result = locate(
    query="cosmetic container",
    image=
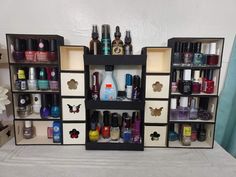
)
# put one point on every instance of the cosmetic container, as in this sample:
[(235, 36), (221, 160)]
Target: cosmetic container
[(174, 86), (43, 83), (52, 54), (198, 58), (201, 136), (44, 110), (183, 109), (106, 40), (188, 53), (115, 129), (136, 127), (186, 134), (174, 114), (193, 114), (212, 57), (19, 49), (56, 132), (128, 86), (42, 53), (117, 44), (32, 82), (95, 44), (55, 109), (196, 86), (36, 99), (128, 48), (21, 82), (177, 59), (95, 86), (24, 108), (185, 85), (106, 126), (53, 83), (93, 132), (28, 131), (30, 52), (136, 92), (126, 131), (209, 83)]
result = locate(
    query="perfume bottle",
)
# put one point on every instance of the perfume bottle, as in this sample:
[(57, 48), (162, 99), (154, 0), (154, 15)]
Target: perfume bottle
[(115, 129), (136, 92), (212, 57), (32, 82), (198, 56), (95, 44), (183, 108), (209, 83), (174, 114), (128, 86), (173, 136), (42, 53), (93, 132), (136, 127), (185, 85), (193, 114), (53, 83), (36, 103), (124, 115), (201, 135), (43, 83), (186, 134), (106, 40), (177, 60), (128, 48), (52, 54), (55, 109), (106, 126), (117, 44), (30, 52), (19, 49), (196, 85), (108, 90), (44, 110), (95, 86), (21, 82), (174, 86), (28, 130), (188, 53)]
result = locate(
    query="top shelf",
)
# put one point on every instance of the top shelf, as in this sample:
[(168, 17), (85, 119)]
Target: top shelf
[(115, 59), (195, 67)]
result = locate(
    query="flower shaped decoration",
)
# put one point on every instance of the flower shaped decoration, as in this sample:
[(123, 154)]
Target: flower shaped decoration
[(74, 133), (157, 86), (3, 99), (72, 84), (155, 136)]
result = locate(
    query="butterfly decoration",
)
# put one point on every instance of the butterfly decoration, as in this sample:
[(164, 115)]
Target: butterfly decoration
[(74, 109)]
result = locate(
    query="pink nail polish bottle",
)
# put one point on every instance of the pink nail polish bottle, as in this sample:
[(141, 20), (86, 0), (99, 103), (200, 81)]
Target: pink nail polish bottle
[(42, 53), (30, 52)]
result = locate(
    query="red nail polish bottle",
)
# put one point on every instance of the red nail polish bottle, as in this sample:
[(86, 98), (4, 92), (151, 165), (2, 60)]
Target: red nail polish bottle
[(209, 83), (42, 53), (212, 58), (30, 53), (106, 127)]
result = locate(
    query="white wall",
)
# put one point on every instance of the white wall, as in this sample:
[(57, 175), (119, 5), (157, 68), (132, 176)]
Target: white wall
[(151, 22)]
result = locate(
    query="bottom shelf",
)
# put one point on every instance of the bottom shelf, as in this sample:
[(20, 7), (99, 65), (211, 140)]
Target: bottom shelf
[(37, 140), (195, 144)]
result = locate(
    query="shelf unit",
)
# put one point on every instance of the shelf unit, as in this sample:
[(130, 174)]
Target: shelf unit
[(39, 125), (212, 98)]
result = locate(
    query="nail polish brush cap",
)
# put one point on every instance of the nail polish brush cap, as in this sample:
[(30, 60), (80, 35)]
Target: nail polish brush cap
[(213, 48), (183, 101), (128, 39), (54, 74), (189, 47), (53, 45), (136, 80), (55, 100), (42, 74), (196, 75), (197, 47), (210, 74), (174, 76), (177, 47), (32, 73), (203, 103), (95, 32), (109, 67), (173, 103), (19, 45), (31, 44), (43, 100), (106, 118), (114, 120), (28, 124), (105, 31), (187, 75)]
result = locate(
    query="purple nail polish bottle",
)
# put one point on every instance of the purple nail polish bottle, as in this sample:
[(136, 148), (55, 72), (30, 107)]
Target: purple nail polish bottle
[(44, 111)]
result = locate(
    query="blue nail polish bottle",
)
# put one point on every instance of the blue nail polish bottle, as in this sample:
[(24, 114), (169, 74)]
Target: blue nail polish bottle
[(44, 111), (55, 110), (43, 83)]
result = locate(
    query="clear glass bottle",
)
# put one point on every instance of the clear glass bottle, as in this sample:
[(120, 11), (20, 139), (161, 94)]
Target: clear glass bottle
[(128, 48), (183, 109), (117, 44)]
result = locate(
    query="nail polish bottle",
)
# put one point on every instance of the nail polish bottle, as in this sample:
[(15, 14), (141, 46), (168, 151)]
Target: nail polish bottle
[(198, 56), (117, 44), (174, 114), (203, 112), (186, 83), (43, 83), (19, 49), (202, 78), (106, 40), (128, 86), (124, 115), (24, 105), (128, 48), (127, 130), (196, 86), (52, 54), (136, 127), (28, 130), (186, 134), (209, 83), (32, 82), (201, 136), (36, 103), (21, 82), (115, 129), (30, 52), (53, 83), (188, 53), (194, 133), (136, 92), (193, 115), (56, 132), (212, 57), (177, 60), (44, 110), (95, 44), (93, 133), (42, 53), (95, 86), (173, 136), (174, 86), (55, 109), (106, 127), (183, 109)]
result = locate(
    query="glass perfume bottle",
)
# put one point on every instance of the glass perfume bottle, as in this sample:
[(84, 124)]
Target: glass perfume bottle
[(188, 53), (193, 114), (106, 127), (128, 48), (174, 114), (95, 44), (177, 60), (136, 92), (106, 40), (183, 109), (117, 44), (198, 56), (185, 85), (95, 86), (115, 129)]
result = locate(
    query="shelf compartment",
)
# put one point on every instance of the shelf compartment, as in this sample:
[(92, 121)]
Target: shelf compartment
[(195, 67), (36, 91), (114, 59), (155, 136), (126, 105), (196, 94), (192, 121), (28, 63), (158, 59), (72, 58), (74, 133), (114, 146)]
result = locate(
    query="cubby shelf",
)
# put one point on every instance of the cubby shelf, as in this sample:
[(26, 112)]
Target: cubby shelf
[(38, 140), (114, 59), (195, 144), (27, 63), (36, 91), (192, 121), (195, 67), (196, 94)]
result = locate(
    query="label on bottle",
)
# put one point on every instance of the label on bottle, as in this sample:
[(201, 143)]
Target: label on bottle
[(108, 86), (23, 85), (187, 131), (106, 46), (118, 50)]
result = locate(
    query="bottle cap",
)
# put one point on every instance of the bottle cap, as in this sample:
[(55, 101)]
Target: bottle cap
[(183, 102), (213, 48), (189, 47), (106, 117), (196, 75), (36, 99), (117, 33), (106, 31), (177, 47), (196, 102), (28, 124), (19, 45), (109, 67), (181, 74), (187, 75), (128, 79), (114, 120), (42, 74), (128, 39), (31, 44), (21, 73), (210, 74), (93, 125), (54, 74), (174, 76), (136, 81), (95, 116), (203, 103), (43, 100), (42, 45), (22, 100), (95, 32), (127, 121), (55, 100), (173, 104), (53, 45), (197, 47), (32, 73)]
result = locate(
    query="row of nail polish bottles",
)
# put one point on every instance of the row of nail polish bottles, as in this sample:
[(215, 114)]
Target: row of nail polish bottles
[(44, 79), (188, 53), (190, 109), (41, 50)]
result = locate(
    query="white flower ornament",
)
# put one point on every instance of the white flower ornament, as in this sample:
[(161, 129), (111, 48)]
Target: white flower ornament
[(3, 99)]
